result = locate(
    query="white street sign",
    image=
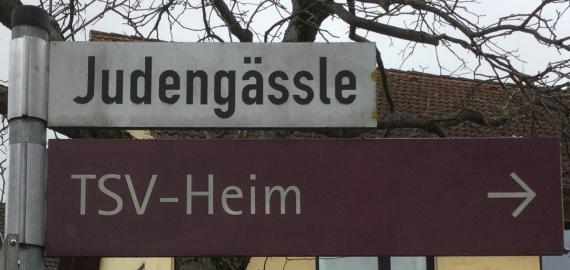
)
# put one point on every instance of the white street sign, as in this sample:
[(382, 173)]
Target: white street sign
[(159, 84)]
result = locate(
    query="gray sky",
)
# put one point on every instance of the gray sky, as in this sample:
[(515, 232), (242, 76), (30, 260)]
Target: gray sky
[(424, 58)]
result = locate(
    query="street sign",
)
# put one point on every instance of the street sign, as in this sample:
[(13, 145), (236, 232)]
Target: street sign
[(160, 84), (304, 197)]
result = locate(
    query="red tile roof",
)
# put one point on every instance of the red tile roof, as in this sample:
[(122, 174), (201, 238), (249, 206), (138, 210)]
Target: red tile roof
[(103, 36), (433, 96)]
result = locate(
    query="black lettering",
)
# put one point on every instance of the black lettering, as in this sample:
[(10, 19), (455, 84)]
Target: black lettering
[(164, 86), (339, 86), (147, 78), (230, 100), (224, 87), (323, 80), (279, 87), (190, 76), (106, 96), (304, 87), (257, 88), (90, 82)]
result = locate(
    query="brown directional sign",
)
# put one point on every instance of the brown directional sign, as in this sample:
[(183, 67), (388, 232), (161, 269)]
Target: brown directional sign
[(304, 197)]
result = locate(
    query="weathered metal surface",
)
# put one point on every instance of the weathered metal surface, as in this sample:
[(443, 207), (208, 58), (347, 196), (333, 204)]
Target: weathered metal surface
[(27, 114), (29, 57), (141, 85), (345, 197)]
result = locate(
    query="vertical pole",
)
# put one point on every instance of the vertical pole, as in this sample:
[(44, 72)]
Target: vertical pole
[(430, 262), (384, 263), (27, 116)]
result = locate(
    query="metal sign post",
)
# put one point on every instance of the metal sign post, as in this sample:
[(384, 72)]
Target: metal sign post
[(27, 114)]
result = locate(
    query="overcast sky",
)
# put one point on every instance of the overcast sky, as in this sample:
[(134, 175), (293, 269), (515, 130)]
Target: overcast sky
[(535, 55)]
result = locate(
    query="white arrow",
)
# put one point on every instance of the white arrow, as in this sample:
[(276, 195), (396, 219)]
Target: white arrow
[(528, 195)]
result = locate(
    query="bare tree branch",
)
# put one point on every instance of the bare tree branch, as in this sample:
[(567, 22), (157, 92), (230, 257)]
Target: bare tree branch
[(304, 26), (244, 35), (438, 125), (417, 36), (209, 31)]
